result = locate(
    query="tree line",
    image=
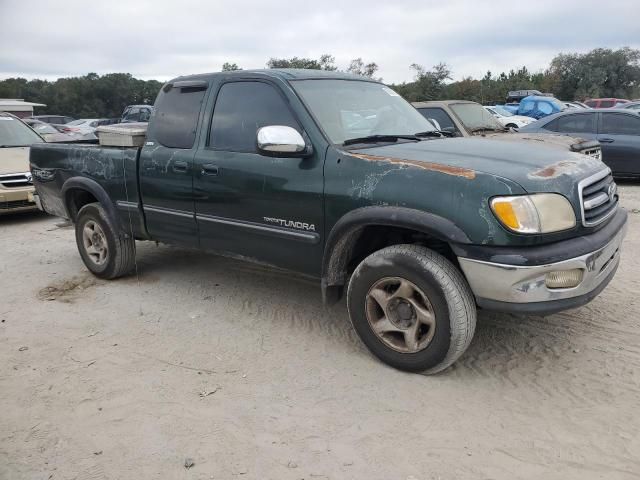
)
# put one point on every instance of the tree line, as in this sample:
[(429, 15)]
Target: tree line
[(570, 76)]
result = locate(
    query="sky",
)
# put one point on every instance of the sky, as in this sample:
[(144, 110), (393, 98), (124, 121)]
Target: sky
[(161, 39)]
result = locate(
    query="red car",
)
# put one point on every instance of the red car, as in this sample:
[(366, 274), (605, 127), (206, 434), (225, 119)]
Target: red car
[(605, 102)]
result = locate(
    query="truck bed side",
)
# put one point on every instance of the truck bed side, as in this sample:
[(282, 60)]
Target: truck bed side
[(68, 176)]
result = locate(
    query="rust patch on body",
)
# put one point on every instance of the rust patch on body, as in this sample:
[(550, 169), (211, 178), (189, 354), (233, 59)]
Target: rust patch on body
[(434, 167), (555, 170)]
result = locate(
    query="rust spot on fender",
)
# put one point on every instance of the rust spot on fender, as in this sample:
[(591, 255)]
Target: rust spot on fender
[(433, 167)]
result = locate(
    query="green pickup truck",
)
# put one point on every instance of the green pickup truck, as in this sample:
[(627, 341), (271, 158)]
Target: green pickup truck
[(338, 178)]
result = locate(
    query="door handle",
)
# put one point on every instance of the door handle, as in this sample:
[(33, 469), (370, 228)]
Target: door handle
[(209, 169), (606, 140), (180, 166)]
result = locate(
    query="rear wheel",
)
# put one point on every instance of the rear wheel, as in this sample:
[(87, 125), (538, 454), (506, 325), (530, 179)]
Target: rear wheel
[(512, 125), (412, 308), (105, 252)]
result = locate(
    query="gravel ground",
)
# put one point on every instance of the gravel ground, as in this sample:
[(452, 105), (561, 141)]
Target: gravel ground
[(243, 373)]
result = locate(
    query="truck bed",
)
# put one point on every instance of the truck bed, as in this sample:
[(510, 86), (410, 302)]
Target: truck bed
[(57, 168)]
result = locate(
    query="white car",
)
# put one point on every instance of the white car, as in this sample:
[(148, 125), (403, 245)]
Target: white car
[(83, 125), (508, 119)]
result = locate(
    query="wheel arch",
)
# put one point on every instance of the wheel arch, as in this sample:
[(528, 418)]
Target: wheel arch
[(79, 191), (347, 235)]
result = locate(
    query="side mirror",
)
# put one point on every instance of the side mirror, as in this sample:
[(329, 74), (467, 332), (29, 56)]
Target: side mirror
[(280, 140)]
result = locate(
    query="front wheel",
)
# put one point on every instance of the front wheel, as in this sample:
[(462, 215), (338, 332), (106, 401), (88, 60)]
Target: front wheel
[(412, 308), (105, 252)]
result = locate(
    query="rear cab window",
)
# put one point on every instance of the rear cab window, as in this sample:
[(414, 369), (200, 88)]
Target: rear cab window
[(176, 115)]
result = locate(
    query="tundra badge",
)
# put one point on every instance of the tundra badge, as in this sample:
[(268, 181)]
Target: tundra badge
[(291, 224)]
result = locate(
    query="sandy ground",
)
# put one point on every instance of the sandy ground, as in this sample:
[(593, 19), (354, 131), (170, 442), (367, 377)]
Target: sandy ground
[(243, 371)]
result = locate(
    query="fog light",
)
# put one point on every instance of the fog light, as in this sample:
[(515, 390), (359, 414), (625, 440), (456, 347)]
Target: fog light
[(564, 278)]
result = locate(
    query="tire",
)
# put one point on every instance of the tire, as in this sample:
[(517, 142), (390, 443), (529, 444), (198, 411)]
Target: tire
[(512, 125), (440, 294), (119, 252)]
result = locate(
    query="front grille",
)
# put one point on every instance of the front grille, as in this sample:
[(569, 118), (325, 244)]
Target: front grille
[(598, 197), (16, 180), (594, 152), (16, 204)]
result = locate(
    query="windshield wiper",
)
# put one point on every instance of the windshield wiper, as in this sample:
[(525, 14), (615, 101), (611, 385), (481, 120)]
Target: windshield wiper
[(434, 133), (486, 129), (380, 138), (13, 146)]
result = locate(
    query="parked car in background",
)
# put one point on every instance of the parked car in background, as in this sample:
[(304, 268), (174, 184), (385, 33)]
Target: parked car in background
[(536, 106), (53, 119), (86, 125), (574, 104), (461, 118), (516, 96), (136, 113), (508, 119), (48, 132), (630, 106), (617, 130), (77, 133), (16, 185), (605, 102)]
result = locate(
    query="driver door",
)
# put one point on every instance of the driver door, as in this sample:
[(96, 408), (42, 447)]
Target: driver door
[(267, 208)]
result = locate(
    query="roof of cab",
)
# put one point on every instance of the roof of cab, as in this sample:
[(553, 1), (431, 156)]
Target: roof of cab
[(282, 73), (440, 103)]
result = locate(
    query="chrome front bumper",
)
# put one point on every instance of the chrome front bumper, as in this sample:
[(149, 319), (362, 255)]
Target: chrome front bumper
[(495, 283)]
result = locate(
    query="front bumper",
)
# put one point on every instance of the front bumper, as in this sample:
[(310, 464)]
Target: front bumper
[(17, 200), (522, 288)]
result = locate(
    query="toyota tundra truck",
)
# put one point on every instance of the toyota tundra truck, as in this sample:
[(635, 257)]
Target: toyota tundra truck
[(338, 178)]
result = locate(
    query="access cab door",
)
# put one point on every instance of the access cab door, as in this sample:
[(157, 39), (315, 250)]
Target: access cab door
[(267, 208), (166, 165)]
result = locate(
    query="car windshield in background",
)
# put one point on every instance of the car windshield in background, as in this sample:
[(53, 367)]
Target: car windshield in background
[(503, 111), (348, 109), (14, 133), (475, 117), (42, 128), (76, 122)]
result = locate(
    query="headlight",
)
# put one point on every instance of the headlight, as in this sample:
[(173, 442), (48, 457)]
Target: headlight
[(538, 213)]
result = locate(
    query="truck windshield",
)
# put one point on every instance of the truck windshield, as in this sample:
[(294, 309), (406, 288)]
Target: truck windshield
[(14, 133), (348, 109), (475, 117)]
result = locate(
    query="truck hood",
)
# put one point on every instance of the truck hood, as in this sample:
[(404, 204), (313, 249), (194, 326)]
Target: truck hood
[(14, 160), (536, 166)]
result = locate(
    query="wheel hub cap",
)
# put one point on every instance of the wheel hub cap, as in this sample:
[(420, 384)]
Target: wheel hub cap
[(400, 315), (95, 242)]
